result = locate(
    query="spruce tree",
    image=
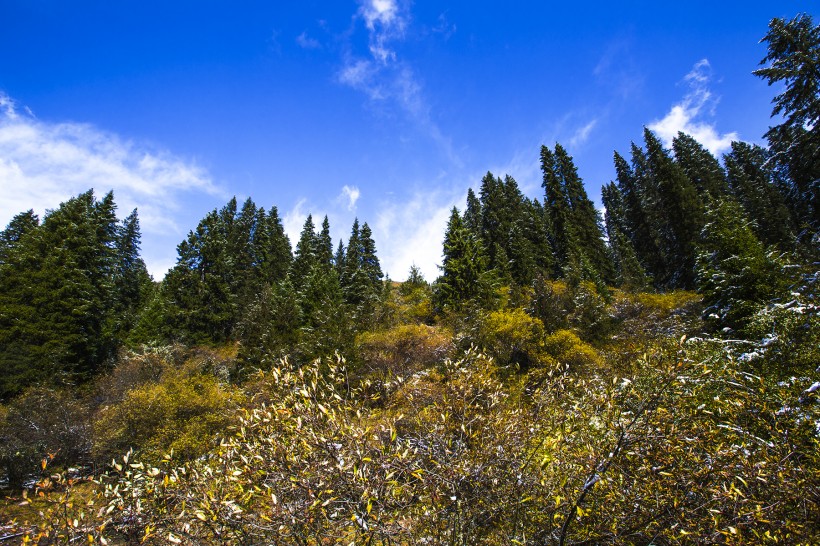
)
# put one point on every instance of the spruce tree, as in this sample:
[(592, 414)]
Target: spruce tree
[(793, 58), (735, 273), (752, 181), (462, 267), (678, 210), (57, 294), (702, 168), (16, 229)]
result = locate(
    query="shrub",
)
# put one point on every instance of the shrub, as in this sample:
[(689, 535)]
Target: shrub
[(512, 337), (42, 423), (568, 350), (403, 349), (179, 413)]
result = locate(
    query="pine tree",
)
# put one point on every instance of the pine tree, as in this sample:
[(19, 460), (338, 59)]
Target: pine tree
[(304, 259), (637, 226), (678, 211), (700, 166), (629, 272), (56, 294), (19, 226), (462, 266), (793, 58), (735, 273), (584, 217), (752, 181), (472, 214), (132, 283)]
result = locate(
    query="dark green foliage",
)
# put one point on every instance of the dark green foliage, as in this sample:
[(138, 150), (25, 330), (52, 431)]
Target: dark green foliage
[(637, 226), (751, 177), (700, 166), (736, 275), (462, 268), (361, 279), (19, 226), (793, 58), (574, 223), (678, 211), (57, 299), (133, 285), (222, 266), (629, 273)]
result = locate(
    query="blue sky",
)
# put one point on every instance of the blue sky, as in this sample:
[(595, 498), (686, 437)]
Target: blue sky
[(385, 110)]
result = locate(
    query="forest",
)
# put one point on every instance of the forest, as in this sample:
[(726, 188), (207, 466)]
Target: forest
[(649, 375)]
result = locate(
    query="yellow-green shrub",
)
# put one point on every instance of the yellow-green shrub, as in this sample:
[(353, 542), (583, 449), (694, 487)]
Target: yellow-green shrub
[(569, 350), (179, 412), (511, 336), (403, 349)]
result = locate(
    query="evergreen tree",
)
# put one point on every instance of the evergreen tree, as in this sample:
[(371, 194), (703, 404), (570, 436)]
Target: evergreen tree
[(585, 218), (132, 283), (557, 209), (752, 181), (637, 226), (19, 226), (574, 223), (462, 266), (735, 273), (304, 259), (57, 294), (700, 166), (793, 58), (472, 214), (629, 272), (678, 211), (272, 247)]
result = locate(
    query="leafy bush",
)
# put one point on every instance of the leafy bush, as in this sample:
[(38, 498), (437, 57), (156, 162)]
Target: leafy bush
[(180, 412), (403, 349), (569, 351), (512, 337), (42, 424)]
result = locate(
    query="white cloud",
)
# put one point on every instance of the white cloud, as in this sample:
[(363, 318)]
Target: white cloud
[(412, 232), (294, 221), (349, 196), (306, 42), (385, 22), (43, 164), (582, 134), (687, 115), (382, 76)]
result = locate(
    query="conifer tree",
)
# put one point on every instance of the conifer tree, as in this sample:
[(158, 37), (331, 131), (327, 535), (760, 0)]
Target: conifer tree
[(702, 168), (57, 294), (132, 283), (584, 217), (462, 266), (752, 181), (629, 272), (793, 58), (18, 227), (735, 273), (304, 258), (637, 226), (678, 212)]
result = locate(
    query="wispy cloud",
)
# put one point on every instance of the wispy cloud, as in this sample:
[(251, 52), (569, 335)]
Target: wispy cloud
[(582, 133), (349, 196), (306, 42), (42, 164), (386, 21), (412, 232), (383, 76), (688, 115), (294, 220)]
